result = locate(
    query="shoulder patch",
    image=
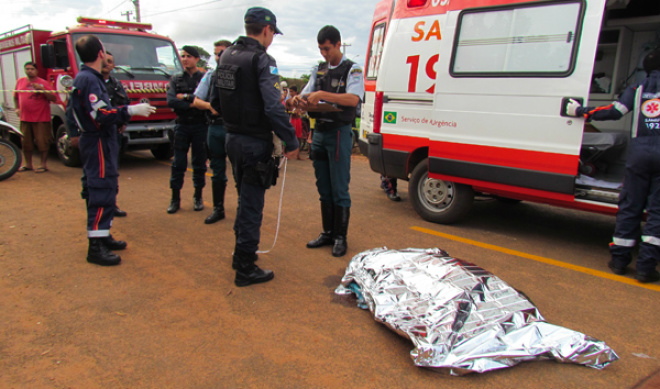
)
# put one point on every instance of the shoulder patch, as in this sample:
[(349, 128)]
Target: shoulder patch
[(277, 86), (93, 98), (273, 70), (356, 70)]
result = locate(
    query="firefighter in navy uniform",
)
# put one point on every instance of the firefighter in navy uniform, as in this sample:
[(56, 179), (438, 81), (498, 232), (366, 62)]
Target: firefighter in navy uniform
[(248, 85), (641, 185), (95, 133), (190, 130), (338, 81)]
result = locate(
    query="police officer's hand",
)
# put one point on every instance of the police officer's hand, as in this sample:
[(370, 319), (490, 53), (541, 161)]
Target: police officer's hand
[(142, 109), (572, 107), (121, 129), (74, 141), (292, 154), (300, 102), (314, 97)]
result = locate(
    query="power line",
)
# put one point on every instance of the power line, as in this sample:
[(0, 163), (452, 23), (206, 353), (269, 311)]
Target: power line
[(180, 9), (117, 6)]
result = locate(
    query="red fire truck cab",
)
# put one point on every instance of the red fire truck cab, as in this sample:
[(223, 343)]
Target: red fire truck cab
[(145, 63)]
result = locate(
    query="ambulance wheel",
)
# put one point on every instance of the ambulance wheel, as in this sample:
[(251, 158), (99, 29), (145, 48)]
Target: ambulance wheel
[(69, 155), (438, 201)]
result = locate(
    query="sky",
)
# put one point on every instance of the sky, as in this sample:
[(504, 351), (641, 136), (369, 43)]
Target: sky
[(202, 22)]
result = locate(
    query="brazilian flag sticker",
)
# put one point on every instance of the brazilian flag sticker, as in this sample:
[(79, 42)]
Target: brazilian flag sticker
[(390, 117)]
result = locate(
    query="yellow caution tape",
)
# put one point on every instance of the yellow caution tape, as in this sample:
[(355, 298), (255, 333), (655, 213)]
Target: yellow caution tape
[(160, 90), (36, 91)]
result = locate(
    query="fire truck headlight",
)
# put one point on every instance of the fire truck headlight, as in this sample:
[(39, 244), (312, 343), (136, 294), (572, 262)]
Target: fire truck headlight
[(66, 81)]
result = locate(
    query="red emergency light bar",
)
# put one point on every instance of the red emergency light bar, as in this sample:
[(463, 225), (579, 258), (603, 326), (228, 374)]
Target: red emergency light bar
[(416, 3), (114, 23)]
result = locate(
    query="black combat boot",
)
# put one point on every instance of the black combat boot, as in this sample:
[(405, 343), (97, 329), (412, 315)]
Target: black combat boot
[(327, 218), (99, 254), (247, 273), (236, 259), (120, 213), (218, 202), (197, 199), (175, 204), (113, 244), (652, 276), (342, 214)]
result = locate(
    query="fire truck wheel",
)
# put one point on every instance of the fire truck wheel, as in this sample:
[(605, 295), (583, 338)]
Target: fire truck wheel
[(69, 155), (163, 151), (438, 201)]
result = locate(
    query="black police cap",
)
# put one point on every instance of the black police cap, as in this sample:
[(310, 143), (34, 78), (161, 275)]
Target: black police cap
[(261, 15)]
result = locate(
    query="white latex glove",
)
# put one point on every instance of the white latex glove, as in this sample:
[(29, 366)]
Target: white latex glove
[(142, 109), (571, 107)]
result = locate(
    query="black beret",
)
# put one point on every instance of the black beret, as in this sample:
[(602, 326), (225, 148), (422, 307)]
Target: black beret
[(191, 50)]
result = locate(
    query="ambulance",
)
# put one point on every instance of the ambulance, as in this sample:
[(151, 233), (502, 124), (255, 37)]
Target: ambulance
[(467, 98), (145, 63)]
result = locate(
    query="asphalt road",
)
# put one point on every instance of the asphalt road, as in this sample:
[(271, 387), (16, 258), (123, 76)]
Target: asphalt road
[(171, 317)]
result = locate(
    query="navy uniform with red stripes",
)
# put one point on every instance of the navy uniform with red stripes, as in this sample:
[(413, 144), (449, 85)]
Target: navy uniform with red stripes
[(641, 185), (97, 120)]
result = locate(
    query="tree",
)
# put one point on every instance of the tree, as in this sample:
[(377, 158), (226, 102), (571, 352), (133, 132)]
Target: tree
[(203, 57), (305, 77)]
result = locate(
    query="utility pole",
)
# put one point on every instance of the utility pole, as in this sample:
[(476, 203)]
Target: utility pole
[(137, 11), (343, 46), (128, 15)]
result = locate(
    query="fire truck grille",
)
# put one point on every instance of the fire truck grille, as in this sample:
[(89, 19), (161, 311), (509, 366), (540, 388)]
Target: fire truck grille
[(146, 134)]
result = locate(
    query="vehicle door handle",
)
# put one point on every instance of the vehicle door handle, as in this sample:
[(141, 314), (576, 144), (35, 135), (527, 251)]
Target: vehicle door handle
[(564, 104)]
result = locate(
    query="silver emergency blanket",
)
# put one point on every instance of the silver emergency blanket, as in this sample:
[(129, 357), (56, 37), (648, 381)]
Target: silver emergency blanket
[(460, 317)]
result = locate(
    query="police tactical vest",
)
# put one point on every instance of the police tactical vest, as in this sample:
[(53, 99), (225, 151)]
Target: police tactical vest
[(237, 80), (213, 84), (335, 81), (182, 85), (117, 94)]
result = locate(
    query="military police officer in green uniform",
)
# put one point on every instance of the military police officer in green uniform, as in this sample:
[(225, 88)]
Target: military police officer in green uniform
[(339, 82)]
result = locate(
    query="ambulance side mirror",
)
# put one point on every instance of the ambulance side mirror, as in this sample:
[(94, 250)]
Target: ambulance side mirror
[(47, 56), (564, 103)]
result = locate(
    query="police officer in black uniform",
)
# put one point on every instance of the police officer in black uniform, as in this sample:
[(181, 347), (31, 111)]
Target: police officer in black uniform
[(118, 98), (93, 128), (190, 130), (248, 84), (641, 184)]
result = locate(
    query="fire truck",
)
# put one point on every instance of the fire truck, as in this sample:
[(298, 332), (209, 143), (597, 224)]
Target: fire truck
[(145, 62), (467, 98)]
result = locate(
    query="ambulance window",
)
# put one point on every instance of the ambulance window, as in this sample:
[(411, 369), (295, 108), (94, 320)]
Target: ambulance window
[(376, 50), (517, 41)]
